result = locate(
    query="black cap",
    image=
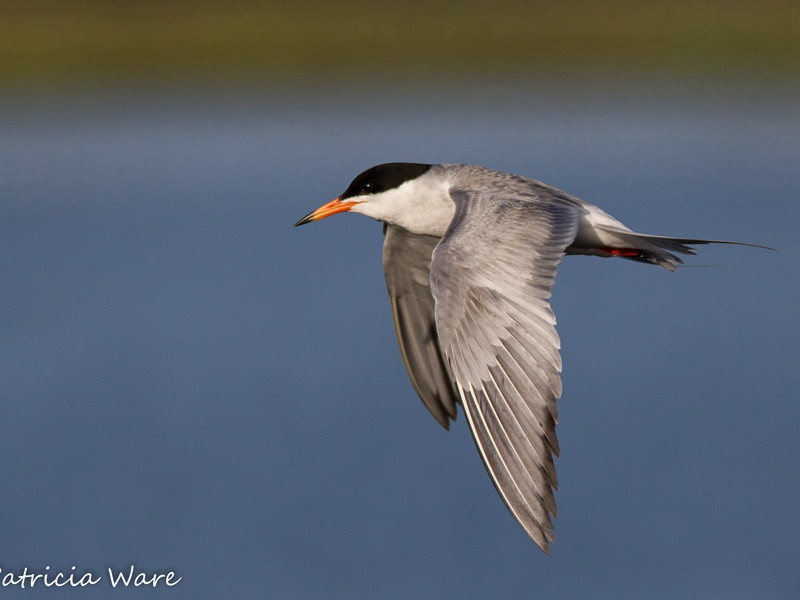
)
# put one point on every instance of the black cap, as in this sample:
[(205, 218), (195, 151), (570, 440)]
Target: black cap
[(384, 177)]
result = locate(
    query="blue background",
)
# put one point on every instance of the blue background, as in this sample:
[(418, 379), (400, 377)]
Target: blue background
[(188, 383)]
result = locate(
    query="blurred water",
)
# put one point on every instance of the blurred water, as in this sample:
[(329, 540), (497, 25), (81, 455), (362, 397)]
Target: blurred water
[(188, 383)]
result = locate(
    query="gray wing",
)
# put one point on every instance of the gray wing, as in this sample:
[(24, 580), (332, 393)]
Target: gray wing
[(407, 265), (491, 277)]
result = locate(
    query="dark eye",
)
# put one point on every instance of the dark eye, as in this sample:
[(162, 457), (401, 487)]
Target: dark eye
[(367, 187)]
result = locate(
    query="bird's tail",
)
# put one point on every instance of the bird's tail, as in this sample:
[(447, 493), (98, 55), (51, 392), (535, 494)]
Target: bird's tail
[(656, 249)]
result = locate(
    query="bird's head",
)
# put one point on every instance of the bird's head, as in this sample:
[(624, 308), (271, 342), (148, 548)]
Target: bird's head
[(396, 193)]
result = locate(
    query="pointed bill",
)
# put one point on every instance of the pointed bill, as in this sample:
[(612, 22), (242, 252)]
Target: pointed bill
[(326, 210)]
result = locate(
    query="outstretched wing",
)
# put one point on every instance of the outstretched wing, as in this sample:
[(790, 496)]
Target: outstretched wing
[(407, 265), (491, 278)]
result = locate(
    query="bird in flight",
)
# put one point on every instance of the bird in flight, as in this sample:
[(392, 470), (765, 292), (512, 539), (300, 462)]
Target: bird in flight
[(470, 255)]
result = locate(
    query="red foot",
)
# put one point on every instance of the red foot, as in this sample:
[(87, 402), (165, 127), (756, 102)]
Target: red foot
[(624, 252)]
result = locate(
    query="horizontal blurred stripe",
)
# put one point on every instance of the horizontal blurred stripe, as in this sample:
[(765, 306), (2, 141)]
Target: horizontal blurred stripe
[(94, 40)]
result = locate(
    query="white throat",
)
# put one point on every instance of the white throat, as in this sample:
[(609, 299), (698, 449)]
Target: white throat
[(422, 206)]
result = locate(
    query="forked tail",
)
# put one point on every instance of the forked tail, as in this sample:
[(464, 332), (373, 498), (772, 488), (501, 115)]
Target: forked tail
[(655, 249)]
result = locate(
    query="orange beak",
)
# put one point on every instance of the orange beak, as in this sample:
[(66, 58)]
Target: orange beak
[(326, 210)]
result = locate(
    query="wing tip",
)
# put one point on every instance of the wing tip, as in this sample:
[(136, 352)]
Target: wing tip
[(542, 537)]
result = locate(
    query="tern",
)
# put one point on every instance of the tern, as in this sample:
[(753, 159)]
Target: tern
[(470, 256)]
